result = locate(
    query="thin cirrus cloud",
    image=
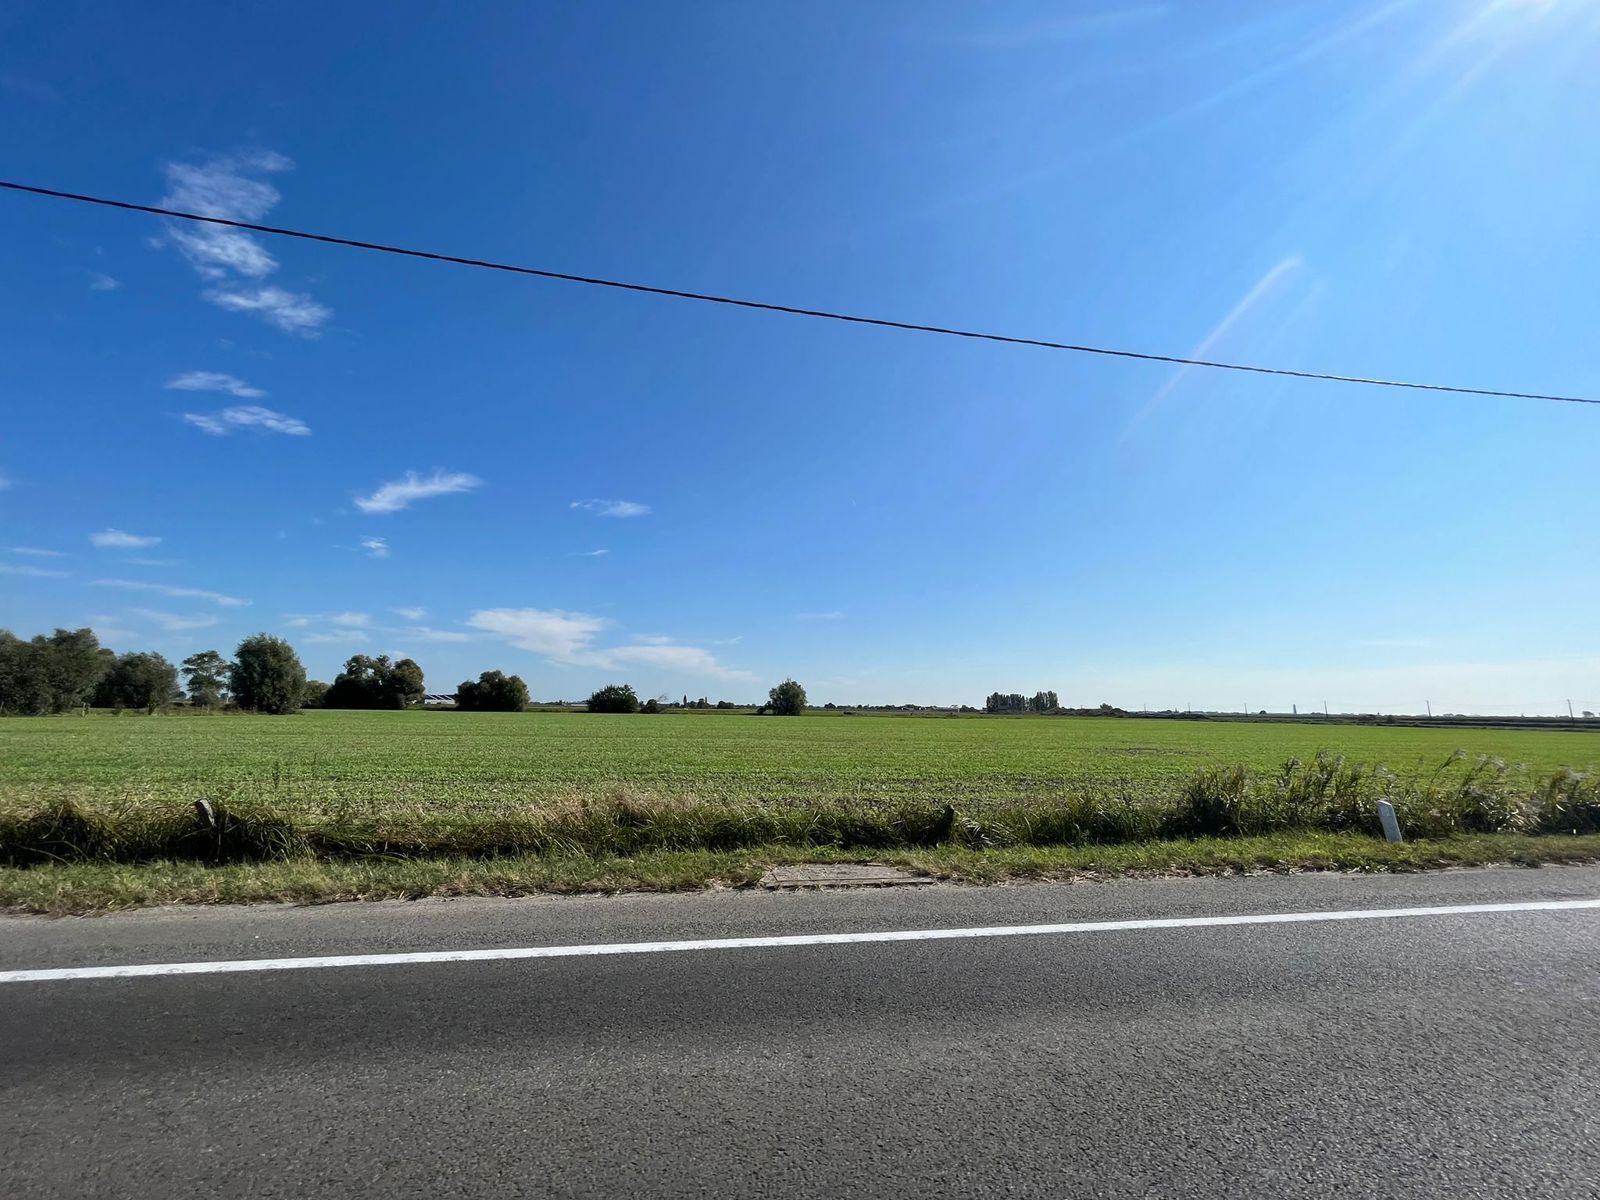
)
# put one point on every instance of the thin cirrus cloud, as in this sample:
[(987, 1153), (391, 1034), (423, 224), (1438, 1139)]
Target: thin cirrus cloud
[(376, 546), (343, 636), (425, 634), (612, 508), (247, 416), (291, 312), (553, 632), (177, 593), (345, 620), (233, 261), (30, 572), (214, 381), (35, 552), (116, 539), (402, 493), (569, 638), (101, 282), (410, 614), (173, 622), (690, 659)]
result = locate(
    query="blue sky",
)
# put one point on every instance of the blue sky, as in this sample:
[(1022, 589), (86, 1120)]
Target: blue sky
[(213, 434)]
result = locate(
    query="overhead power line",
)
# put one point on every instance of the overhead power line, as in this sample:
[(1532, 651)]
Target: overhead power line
[(790, 309)]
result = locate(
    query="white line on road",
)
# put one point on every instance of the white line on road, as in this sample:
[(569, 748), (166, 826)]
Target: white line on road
[(227, 967)]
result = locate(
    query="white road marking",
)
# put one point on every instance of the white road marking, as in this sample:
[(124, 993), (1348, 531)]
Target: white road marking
[(227, 967)]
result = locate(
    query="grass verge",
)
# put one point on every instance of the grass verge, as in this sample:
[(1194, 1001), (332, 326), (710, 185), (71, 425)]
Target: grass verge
[(98, 887)]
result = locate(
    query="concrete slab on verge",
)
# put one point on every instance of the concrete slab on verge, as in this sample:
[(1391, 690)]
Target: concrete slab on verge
[(813, 875)]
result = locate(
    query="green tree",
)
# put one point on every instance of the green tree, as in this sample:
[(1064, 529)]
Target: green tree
[(207, 677), (404, 684), (266, 676), (788, 699), (73, 663), (23, 686), (316, 694), (493, 692), (614, 698), (146, 681), (375, 683)]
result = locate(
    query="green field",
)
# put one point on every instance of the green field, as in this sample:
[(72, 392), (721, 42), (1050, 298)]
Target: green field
[(478, 764), (100, 812)]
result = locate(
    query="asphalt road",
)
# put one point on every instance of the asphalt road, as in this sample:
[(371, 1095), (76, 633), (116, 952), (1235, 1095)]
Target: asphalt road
[(1409, 1056)]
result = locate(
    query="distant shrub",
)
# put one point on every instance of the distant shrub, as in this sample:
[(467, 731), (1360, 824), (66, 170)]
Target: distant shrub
[(651, 705), (267, 676), (788, 699), (494, 691), (614, 698)]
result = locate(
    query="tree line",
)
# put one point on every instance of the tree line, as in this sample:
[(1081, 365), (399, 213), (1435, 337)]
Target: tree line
[(1016, 702), (69, 669)]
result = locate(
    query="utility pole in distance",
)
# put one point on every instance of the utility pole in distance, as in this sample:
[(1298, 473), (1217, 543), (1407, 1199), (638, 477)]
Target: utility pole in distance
[(1429, 707)]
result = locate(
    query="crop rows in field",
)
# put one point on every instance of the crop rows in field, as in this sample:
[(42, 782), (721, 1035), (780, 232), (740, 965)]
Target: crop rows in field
[(446, 764)]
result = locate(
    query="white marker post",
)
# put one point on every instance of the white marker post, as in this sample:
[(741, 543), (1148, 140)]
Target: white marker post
[(1391, 822)]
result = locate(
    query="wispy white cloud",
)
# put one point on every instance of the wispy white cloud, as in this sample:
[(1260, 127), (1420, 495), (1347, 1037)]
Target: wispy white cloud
[(101, 282), (552, 632), (650, 639), (214, 381), (177, 593), (831, 615), (590, 553), (116, 539), (343, 636), (232, 186), (35, 552), (376, 546), (423, 633), (5, 481), (223, 187), (403, 492), (612, 508), (174, 622), (569, 638), (690, 659), (410, 614), (292, 312), (247, 416), (152, 562), (31, 572), (344, 620)]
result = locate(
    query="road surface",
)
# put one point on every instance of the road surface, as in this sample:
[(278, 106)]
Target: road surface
[(1446, 1055)]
